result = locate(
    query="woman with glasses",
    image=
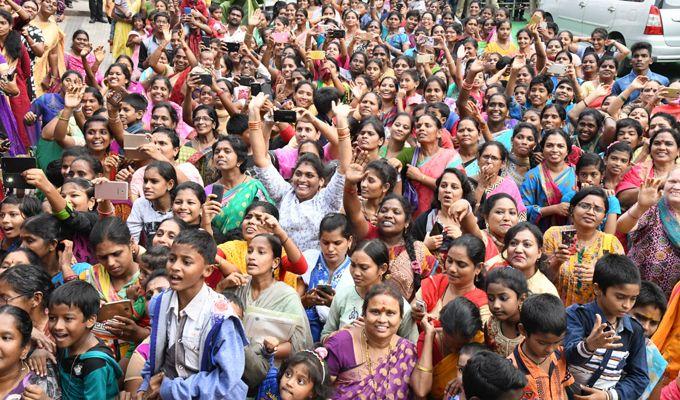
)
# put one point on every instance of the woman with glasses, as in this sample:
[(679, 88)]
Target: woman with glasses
[(573, 250)]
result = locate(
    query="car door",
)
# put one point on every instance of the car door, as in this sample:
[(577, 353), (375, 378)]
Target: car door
[(670, 15), (598, 13), (565, 14)]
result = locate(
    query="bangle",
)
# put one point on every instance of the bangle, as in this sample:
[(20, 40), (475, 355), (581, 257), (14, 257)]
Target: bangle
[(61, 116), (284, 242), (421, 368), (219, 93), (343, 137), (70, 278), (622, 97), (255, 124), (466, 86), (630, 212), (351, 190)]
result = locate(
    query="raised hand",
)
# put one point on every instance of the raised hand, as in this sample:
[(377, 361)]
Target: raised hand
[(649, 193), (459, 210), (342, 110), (602, 336), (74, 95), (36, 177), (519, 62), (639, 82), (99, 54)]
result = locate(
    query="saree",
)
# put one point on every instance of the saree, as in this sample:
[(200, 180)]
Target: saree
[(122, 30), (434, 167), (18, 142), (202, 161), (235, 252), (541, 189), (278, 300), (388, 379), (99, 277), (432, 293), (54, 40), (19, 104), (235, 201), (667, 337), (570, 286), (654, 247), (402, 270)]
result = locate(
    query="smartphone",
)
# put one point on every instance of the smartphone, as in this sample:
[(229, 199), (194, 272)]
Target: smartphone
[(535, 19), (245, 80), (280, 37), (111, 191), (232, 47), (335, 34), (328, 289), (12, 167), (429, 41), (205, 41), (218, 191), (107, 311), (424, 58), (206, 79), (317, 54), (116, 96), (131, 143), (285, 116), (557, 69), (568, 236), (255, 88), (420, 306)]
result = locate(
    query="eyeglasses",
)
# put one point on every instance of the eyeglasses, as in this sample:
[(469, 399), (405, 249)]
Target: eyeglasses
[(206, 119), (6, 300), (587, 207)]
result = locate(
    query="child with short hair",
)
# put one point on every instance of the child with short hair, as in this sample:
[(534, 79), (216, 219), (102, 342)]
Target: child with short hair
[(488, 376), (454, 391), (649, 308), (506, 289), (87, 369), (196, 340), (132, 109), (543, 322), (604, 346)]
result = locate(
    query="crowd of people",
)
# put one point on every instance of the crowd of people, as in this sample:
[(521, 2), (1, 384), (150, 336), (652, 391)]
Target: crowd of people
[(346, 200)]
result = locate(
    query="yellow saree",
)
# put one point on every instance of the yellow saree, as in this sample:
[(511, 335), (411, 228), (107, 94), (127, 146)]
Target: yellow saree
[(54, 41), (121, 32), (667, 337)]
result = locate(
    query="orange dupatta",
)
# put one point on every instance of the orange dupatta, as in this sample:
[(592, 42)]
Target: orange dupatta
[(667, 337)]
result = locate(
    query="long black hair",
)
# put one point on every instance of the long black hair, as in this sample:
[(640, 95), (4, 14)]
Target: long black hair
[(13, 39)]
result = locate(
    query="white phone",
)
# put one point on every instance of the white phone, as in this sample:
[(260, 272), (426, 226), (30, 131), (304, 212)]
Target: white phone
[(557, 69)]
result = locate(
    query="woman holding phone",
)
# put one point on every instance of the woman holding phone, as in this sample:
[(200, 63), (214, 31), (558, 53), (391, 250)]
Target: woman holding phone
[(574, 250)]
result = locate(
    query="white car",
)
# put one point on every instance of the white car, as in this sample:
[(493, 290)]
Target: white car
[(628, 21)]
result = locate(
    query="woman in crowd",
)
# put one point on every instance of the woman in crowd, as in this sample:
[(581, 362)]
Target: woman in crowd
[(653, 225), (574, 250), (240, 190), (544, 185)]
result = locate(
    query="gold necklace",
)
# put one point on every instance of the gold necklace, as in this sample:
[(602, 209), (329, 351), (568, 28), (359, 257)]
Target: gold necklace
[(367, 356)]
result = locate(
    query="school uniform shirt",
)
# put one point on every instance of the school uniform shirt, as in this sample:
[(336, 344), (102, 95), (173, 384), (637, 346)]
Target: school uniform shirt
[(624, 374)]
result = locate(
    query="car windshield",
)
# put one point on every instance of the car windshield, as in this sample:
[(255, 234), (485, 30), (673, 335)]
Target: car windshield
[(671, 4)]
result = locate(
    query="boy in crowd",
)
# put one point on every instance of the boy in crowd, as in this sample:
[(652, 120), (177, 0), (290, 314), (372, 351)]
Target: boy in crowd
[(604, 346), (197, 349), (648, 310), (543, 323), (488, 376), (87, 369)]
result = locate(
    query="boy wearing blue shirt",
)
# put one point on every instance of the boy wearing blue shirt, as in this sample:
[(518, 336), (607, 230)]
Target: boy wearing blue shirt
[(604, 346), (197, 343)]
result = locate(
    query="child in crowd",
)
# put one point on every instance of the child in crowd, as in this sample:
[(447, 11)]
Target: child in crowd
[(488, 376), (132, 109), (196, 327), (602, 330), (649, 308), (87, 369), (543, 323), (506, 289)]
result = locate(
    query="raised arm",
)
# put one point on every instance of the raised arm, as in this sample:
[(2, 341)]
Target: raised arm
[(257, 143), (476, 67), (648, 195), (351, 202)]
